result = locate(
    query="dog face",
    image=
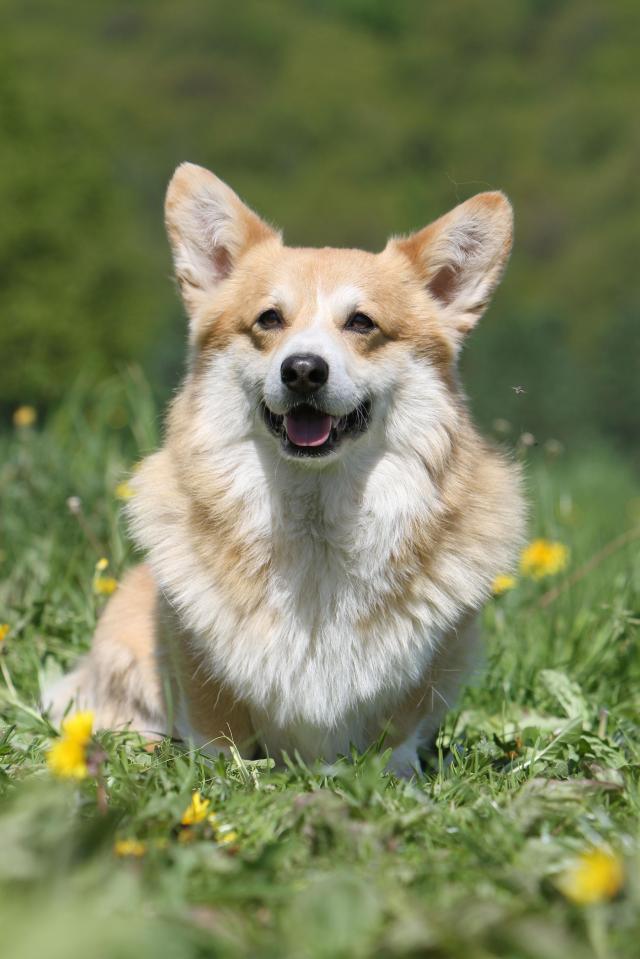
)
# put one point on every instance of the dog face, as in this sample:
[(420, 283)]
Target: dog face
[(321, 353)]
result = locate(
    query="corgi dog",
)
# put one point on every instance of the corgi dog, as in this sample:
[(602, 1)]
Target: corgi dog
[(323, 522)]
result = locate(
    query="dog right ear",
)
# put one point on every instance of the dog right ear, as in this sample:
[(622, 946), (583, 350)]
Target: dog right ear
[(209, 228)]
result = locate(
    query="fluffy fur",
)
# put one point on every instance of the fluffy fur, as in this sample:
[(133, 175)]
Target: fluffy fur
[(298, 603)]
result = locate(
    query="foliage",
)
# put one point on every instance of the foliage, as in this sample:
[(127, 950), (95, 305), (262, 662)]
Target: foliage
[(343, 121), (535, 772)]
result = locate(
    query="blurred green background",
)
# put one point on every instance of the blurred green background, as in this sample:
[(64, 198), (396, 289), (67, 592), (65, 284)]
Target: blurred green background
[(342, 121)]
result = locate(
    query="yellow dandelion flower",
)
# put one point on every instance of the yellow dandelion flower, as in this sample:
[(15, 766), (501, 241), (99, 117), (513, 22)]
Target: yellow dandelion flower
[(78, 727), (104, 585), (197, 810), (596, 876), (227, 838), (67, 758), (5, 629), (24, 416), (502, 584), (123, 491), (129, 847), (543, 558)]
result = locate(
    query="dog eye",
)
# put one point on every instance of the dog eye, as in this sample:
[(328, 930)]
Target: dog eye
[(360, 323), (269, 320)]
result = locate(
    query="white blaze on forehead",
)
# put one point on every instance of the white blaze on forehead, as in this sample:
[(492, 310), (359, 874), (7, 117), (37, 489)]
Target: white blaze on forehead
[(336, 303), (339, 302), (330, 311)]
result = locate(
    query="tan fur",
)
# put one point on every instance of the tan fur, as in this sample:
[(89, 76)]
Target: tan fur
[(253, 558), (120, 680), (211, 709)]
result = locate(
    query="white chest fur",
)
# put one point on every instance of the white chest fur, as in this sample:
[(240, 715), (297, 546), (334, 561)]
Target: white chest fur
[(332, 634), (322, 619)]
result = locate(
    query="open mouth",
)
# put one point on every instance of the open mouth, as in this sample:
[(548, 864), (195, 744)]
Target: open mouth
[(307, 431)]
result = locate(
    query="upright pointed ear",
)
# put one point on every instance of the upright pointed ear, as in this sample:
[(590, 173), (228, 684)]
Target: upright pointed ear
[(209, 229), (461, 257)]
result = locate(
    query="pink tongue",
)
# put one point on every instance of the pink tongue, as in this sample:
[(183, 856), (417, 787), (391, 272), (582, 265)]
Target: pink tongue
[(306, 427)]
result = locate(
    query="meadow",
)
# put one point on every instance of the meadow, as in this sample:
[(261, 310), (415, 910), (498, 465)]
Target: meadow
[(519, 840)]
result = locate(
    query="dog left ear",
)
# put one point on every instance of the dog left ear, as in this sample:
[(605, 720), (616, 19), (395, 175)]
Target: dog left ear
[(461, 257), (209, 228)]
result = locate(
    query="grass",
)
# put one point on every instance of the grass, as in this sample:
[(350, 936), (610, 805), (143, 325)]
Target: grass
[(538, 763)]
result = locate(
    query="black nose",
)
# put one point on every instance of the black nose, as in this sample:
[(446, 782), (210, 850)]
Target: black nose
[(304, 372)]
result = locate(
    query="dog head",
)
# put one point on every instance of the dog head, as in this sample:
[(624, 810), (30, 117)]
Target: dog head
[(319, 352)]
